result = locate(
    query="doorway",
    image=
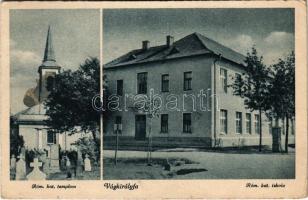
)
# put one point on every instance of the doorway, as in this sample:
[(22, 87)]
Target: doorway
[(140, 127)]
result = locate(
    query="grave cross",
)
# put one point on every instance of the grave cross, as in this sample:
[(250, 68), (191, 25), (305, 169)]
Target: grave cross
[(35, 164), (36, 173), (21, 156)]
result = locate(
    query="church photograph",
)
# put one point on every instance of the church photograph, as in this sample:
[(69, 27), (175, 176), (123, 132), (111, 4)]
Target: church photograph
[(190, 93), (50, 53)]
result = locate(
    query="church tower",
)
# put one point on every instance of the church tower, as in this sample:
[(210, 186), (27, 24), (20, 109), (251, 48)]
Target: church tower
[(48, 68)]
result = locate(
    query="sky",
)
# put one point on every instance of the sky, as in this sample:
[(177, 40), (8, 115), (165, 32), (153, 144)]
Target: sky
[(271, 30), (75, 37)]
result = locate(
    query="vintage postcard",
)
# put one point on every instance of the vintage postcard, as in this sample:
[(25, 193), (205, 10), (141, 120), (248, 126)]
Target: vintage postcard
[(152, 100)]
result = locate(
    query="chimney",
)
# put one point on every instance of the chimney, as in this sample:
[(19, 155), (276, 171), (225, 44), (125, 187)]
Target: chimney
[(145, 44), (170, 40)]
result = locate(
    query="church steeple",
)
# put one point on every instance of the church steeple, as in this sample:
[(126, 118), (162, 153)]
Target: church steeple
[(49, 68), (49, 54), (49, 59)]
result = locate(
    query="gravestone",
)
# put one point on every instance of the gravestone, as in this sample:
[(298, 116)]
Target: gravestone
[(20, 168), (36, 173), (68, 163), (46, 166), (63, 163), (13, 162), (87, 164), (45, 162), (23, 152), (54, 158)]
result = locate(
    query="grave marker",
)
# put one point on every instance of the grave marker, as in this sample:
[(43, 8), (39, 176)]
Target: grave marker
[(54, 158), (87, 164), (20, 168), (36, 173), (13, 162)]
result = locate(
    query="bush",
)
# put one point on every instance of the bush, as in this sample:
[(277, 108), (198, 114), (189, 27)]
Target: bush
[(71, 154), (88, 146), (16, 140), (33, 153)]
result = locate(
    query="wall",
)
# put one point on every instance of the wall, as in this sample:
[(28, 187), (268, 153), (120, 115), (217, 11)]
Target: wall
[(201, 79), (233, 104), (30, 135)]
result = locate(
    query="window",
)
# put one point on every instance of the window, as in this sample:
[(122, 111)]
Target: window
[(248, 123), (142, 82), (238, 77), (164, 123), (223, 79), (120, 87), (238, 122), (165, 83), (257, 124), (118, 120), (223, 121), (187, 122), (51, 137), (187, 80)]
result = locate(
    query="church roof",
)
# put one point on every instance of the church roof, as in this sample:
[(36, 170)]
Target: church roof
[(191, 45), (49, 59), (35, 113)]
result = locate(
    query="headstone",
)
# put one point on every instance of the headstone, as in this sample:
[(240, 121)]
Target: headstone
[(13, 162), (23, 151), (20, 168), (87, 164), (54, 158), (46, 163), (36, 173), (63, 162), (68, 162), (46, 166)]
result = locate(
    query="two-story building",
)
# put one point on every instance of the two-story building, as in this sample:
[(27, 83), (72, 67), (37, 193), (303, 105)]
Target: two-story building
[(189, 80)]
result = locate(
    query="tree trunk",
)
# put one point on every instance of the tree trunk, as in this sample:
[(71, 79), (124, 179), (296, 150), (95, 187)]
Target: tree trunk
[(149, 143), (287, 135), (260, 130), (97, 142)]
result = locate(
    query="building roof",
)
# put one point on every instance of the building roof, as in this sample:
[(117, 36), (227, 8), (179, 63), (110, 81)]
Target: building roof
[(35, 113), (49, 59), (191, 45)]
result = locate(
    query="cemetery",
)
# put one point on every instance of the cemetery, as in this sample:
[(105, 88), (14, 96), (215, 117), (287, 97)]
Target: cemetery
[(37, 164)]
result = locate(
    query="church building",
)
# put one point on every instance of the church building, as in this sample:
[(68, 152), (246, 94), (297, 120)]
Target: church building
[(29, 123), (190, 78)]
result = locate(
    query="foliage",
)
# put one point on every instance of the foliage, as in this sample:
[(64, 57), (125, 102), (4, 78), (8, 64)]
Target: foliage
[(282, 91), (16, 140), (282, 88), (33, 153), (71, 154), (253, 85), (87, 146), (69, 103)]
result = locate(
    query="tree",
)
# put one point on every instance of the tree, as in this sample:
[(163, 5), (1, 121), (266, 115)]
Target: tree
[(282, 91), (16, 140), (151, 107), (69, 103), (253, 86)]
